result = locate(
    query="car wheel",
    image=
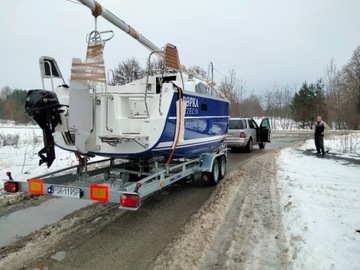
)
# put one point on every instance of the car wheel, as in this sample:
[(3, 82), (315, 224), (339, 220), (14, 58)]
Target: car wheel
[(222, 167), (262, 145), (215, 173), (249, 146)]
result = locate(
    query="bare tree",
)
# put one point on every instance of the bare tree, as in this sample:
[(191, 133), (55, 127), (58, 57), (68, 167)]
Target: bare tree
[(233, 90), (156, 64), (127, 71), (5, 92), (270, 106), (198, 71), (287, 122), (343, 93), (335, 98), (351, 87), (227, 87), (277, 104), (251, 106)]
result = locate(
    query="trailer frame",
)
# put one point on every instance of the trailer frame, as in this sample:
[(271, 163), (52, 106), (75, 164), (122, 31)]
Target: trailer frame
[(127, 182)]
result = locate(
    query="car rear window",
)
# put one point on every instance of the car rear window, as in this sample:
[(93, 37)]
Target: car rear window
[(236, 124)]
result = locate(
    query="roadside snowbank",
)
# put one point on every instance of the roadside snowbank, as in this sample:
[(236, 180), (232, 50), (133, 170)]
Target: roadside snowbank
[(321, 199), (235, 227)]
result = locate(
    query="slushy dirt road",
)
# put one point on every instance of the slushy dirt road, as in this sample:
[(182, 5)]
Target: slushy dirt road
[(103, 237), (238, 228)]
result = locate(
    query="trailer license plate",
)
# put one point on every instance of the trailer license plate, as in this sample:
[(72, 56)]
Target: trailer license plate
[(67, 192)]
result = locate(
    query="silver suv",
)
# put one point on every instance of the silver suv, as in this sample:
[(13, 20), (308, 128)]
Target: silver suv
[(245, 132)]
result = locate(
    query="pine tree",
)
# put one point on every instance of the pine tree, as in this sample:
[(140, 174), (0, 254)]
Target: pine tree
[(309, 103)]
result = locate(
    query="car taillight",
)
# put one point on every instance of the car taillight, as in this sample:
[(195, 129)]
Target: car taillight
[(11, 187), (130, 200), (242, 135)]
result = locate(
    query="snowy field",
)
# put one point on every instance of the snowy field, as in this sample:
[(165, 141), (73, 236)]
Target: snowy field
[(19, 146), (321, 199)]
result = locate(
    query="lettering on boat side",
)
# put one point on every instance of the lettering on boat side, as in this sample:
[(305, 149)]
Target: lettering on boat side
[(192, 105)]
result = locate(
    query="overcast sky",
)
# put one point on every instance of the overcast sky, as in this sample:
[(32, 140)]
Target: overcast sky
[(265, 41)]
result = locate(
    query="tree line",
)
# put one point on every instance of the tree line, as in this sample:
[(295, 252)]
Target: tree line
[(342, 89), (12, 104), (335, 96)]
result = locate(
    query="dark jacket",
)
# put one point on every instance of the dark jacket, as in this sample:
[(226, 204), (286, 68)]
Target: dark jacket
[(319, 128)]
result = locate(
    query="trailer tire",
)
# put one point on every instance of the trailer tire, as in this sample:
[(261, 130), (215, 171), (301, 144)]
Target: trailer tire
[(222, 170), (215, 173)]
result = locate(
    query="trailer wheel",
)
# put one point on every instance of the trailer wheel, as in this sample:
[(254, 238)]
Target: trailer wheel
[(215, 173), (222, 167)]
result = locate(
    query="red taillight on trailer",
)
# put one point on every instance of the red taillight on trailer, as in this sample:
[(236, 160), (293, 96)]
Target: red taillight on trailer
[(242, 135), (130, 200), (11, 187)]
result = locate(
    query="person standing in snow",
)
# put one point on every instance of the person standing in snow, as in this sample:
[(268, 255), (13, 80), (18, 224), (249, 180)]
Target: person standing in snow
[(320, 128)]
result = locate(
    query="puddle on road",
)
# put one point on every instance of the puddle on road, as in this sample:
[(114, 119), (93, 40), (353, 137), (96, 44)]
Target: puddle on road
[(25, 221)]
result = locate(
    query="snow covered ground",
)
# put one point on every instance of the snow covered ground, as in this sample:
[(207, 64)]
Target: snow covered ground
[(21, 158), (321, 199)]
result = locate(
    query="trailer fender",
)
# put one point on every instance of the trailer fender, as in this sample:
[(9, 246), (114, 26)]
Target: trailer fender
[(208, 161)]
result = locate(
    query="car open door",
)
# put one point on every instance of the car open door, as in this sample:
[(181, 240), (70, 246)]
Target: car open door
[(265, 130)]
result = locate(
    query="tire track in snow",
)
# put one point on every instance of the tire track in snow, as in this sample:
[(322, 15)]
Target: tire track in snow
[(256, 239), (238, 228)]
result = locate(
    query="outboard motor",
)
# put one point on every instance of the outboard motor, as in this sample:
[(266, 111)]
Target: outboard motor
[(43, 107)]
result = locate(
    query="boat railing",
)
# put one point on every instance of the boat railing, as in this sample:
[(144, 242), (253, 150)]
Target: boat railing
[(49, 69), (148, 86)]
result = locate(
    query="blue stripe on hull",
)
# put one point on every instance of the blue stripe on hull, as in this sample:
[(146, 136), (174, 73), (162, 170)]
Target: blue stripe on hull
[(206, 120)]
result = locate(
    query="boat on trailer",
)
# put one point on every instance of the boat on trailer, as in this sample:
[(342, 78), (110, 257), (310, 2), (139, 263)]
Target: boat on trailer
[(169, 113)]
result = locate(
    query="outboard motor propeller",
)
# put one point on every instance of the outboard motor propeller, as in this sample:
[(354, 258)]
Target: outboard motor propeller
[(43, 107)]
